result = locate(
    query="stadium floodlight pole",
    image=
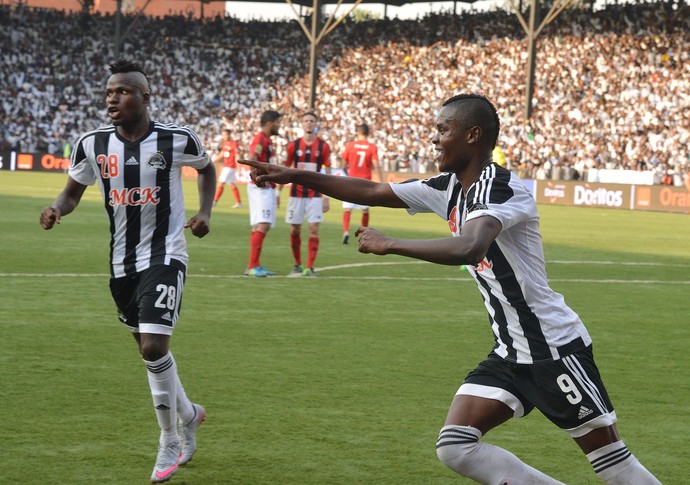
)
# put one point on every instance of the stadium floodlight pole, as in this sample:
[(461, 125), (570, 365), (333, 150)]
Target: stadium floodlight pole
[(532, 31), (118, 37), (314, 52), (315, 37), (531, 55)]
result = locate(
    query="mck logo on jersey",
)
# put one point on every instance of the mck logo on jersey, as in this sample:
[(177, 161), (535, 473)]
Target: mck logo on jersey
[(453, 221), (157, 161), (135, 196), (483, 265)]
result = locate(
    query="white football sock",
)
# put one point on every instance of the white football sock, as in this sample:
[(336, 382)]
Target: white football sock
[(185, 410), (615, 465), (162, 376), (459, 448)]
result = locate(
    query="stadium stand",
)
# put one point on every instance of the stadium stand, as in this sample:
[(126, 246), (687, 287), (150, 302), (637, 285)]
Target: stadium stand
[(612, 88)]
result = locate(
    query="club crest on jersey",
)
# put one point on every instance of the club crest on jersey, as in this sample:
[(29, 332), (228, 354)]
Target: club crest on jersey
[(157, 161)]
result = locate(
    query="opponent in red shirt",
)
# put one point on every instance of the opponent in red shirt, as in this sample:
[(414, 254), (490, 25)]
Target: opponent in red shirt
[(262, 200), (307, 153), (228, 155), (359, 158)]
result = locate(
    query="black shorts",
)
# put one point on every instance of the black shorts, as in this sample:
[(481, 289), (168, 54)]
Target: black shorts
[(568, 391), (149, 301)]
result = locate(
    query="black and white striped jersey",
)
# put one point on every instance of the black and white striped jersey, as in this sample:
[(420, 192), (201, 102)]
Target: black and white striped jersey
[(531, 322), (141, 183)]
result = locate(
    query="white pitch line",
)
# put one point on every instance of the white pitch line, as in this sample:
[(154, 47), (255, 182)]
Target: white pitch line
[(621, 263), (558, 280), (384, 263), (404, 278), (359, 278), (555, 261), (360, 265)]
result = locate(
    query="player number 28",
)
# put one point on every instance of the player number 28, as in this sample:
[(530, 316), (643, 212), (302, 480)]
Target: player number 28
[(569, 388), (166, 298)]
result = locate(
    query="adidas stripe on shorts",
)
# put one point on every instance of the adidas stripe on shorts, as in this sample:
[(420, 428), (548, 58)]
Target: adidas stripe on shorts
[(149, 301), (568, 391)]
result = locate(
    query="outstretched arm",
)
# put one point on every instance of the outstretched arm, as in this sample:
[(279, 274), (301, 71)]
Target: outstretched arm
[(65, 203), (470, 248), (199, 223), (359, 191)]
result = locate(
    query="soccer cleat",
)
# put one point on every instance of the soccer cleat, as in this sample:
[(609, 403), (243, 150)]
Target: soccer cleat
[(166, 462), (237, 206), (310, 273), (214, 203), (267, 271), (296, 271), (259, 271), (346, 238), (188, 433)]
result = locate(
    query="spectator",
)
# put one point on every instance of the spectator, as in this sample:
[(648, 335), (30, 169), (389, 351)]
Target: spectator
[(610, 90)]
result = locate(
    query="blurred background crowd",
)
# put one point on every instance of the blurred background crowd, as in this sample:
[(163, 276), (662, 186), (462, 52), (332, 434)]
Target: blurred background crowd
[(612, 87)]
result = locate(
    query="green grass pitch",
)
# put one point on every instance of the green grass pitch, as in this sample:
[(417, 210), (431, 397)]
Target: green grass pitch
[(344, 379)]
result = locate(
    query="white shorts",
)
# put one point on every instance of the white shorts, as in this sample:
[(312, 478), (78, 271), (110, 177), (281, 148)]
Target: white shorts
[(262, 205), (227, 175), (350, 206), (300, 207)]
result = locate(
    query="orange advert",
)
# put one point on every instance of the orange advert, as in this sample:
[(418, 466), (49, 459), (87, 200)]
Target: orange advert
[(25, 161)]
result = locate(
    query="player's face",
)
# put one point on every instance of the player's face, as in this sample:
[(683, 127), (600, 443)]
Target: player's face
[(126, 98), (450, 141), (309, 124), (275, 127)]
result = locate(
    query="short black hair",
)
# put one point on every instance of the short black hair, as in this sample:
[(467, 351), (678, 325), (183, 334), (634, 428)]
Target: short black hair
[(125, 65), (479, 110), (310, 113), (269, 115), (363, 129)]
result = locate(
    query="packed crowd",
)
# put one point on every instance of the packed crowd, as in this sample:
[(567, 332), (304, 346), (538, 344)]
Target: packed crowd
[(612, 87)]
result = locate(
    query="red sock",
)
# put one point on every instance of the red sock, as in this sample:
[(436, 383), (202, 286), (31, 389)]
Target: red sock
[(313, 246), (365, 219), (296, 245), (219, 192), (256, 241), (346, 221), (236, 193)]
